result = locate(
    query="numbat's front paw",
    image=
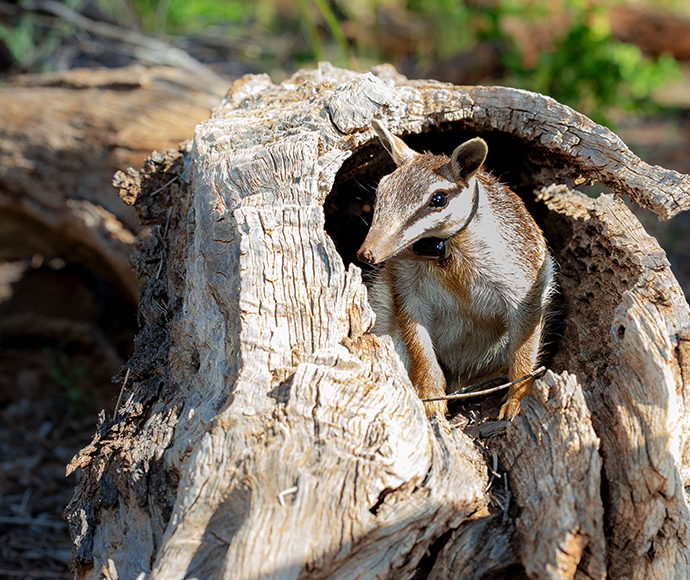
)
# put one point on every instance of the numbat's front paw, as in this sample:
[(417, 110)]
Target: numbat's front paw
[(434, 406), (509, 410)]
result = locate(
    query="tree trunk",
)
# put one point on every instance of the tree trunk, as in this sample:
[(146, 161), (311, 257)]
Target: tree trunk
[(265, 433)]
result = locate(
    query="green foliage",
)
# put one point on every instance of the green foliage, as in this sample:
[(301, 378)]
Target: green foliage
[(19, 40), (585, 67), (575, 61), (29, 42), (454, 22), (189, 16), (592, 72), (312, 30), (334, 26)]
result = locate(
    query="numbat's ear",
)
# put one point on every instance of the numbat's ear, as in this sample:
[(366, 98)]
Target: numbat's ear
[(394, 145), (467, 159)]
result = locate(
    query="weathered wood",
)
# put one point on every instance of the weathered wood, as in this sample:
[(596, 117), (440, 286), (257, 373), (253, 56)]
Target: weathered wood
[(482, 547), (624, 336), (614, 277), (550, 456), (265, 433), (557, 482)]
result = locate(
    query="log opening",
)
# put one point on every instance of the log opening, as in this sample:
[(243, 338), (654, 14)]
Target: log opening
[(348, 209)]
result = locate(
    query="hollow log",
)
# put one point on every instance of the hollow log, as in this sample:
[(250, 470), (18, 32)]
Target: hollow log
[(264, 432)]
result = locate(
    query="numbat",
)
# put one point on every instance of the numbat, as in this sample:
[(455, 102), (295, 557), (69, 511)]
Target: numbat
[(466, 277)]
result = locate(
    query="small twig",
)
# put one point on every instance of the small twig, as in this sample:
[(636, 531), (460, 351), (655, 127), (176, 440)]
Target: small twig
[(160, 269), (122, 390), (534, 373), (162, 187), (167, 222), (470, 388), (25, 501), (506, 507), (165, 232), (494, 469), (288, 491)]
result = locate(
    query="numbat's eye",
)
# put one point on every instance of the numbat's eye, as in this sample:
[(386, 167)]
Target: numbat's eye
[(438, 199)]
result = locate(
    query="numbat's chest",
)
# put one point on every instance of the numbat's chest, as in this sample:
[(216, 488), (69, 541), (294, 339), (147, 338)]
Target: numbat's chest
[(455, 305)]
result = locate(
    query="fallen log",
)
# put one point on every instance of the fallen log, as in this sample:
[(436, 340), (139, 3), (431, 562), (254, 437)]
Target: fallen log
[(263, 432), (63, 136)]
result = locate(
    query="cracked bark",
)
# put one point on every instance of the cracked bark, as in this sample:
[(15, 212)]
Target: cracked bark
[(265, 433)]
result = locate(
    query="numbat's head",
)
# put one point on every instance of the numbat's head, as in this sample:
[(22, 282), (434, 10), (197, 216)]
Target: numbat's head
[(427, 196)]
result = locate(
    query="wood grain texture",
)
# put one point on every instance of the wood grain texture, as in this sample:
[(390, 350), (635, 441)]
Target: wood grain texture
[(483, 547), (267, 434), (551, 449), (622, 336)]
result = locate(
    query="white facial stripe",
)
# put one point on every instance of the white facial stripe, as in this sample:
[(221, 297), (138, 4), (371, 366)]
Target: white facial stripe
[(433, 223), (460, 206), (443, 184), (421, 228), (442, 222)]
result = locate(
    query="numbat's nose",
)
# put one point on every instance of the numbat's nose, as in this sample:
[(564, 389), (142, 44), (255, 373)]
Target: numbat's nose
[(365, 255)]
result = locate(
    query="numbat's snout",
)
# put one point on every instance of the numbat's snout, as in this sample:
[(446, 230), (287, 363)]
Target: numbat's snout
[(465, 279)]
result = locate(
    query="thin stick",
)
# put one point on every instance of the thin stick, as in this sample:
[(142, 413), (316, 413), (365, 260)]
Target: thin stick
[(282, 494), (165, 233), (534, 373), (119, 397), (470, 388), (167, 219), (162, 187)]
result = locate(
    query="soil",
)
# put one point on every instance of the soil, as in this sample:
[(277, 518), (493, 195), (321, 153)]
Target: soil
[(63, 334)]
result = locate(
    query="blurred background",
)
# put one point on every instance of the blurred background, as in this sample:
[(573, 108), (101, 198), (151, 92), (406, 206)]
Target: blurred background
[(88, 88)]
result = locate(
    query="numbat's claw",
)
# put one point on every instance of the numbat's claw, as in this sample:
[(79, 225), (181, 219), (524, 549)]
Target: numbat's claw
[(434, 406), (509, 410)]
